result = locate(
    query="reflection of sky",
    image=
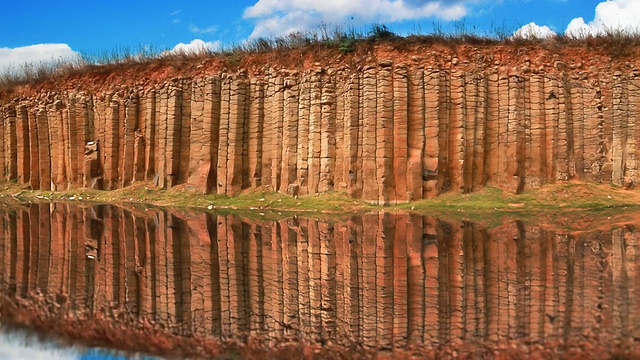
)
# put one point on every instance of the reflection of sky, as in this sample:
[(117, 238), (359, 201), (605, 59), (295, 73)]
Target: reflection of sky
[(19, 345)]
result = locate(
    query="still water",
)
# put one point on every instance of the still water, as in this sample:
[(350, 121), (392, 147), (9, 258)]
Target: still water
[(92, 281)]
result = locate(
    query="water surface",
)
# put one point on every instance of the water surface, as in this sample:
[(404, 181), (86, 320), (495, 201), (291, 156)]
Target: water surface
[(180, 283)]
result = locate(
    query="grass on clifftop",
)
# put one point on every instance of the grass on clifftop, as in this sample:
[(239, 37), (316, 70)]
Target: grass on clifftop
[(617, 43)]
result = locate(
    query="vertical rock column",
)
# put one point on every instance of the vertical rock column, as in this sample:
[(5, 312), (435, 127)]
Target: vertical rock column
[(551, 128), (479, 177), (56, 123), (10, 144), (455, 98), (44, 149), (353, 162), (290, 137), (415, 134), (565, 133), (75, 137), (431, 155), (131, 113), (111, 144), (327, 135), (443, 176), (518, 105), (148, 103), (185, 118), (384, 134), (631, 163), (200, 135), (370, 187), (235, 156), (400, 134), (255, 119), (469, 129), (594, 146), (304, 116), (315, 132), (23, 145), (174, 134), (535, 141)]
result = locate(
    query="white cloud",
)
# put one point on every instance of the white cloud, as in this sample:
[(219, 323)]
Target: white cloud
[(40, 53), (534, 31), (611, 15), (280, 17), (195, 46), (208, 30)]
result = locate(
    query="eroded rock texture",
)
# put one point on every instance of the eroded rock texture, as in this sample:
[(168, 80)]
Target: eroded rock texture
[(381, 281), (387, 132)]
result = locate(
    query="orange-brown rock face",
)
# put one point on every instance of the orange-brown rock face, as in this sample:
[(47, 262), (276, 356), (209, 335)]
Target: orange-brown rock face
[(390, 131)]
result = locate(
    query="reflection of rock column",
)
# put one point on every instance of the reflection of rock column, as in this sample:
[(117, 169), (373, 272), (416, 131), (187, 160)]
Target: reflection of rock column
[(523, 280), (184, 274), (450, 281), (328, 280), (501, 283), (304, 276), (131, 280), (632, 262), (214, 278), (226, 269), (315, 280), (23, 251), (58, 250), (34, 234), (290, 272), (536, 264), (401, 239), (562, 260), (416, 305), (343, 293), (142, 263), (368, 287), (255, 282), (620, 240), (384, 280), (430, 267), (5, 252), (272, 272), (474, 299)]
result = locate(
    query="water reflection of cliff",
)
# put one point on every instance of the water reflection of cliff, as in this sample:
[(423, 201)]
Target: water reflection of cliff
[(380, 280)]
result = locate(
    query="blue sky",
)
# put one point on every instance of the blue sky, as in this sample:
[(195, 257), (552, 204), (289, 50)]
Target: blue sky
[(37, 30)]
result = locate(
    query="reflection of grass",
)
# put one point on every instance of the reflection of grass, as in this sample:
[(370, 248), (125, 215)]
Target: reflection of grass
[(566, 205)]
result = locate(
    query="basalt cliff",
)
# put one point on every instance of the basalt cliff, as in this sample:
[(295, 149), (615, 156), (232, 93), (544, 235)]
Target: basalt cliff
[(389, 123)]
